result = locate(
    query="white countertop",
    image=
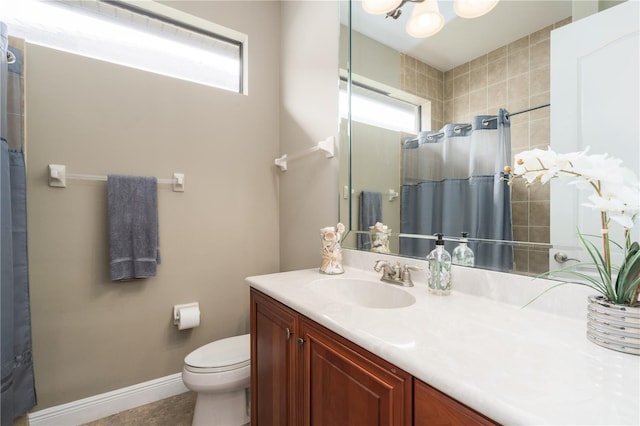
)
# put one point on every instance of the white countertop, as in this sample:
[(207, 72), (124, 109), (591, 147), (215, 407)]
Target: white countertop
[(514, 365)]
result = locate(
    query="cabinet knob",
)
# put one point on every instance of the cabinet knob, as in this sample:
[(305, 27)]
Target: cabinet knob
[(288, 333), (300, 341)]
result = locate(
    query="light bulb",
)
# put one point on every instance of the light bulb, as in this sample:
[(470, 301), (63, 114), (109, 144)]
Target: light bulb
[(380, 7), (473, 8), (426, 19)]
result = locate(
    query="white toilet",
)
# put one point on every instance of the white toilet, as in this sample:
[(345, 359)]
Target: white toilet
[(220, 374)]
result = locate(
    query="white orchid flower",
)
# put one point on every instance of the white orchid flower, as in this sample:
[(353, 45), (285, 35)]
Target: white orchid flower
[(599, 168), (599, 172), (616, 194)]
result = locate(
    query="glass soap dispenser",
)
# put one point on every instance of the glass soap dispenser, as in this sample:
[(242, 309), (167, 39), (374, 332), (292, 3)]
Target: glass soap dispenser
[(463, 255), (439, 269)]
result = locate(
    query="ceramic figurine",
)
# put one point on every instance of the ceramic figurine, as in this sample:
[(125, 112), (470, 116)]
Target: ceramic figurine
[(331, 250), (379, 235)]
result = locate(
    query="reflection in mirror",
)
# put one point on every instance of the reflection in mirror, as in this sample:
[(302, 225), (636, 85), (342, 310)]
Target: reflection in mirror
[(480, 73), (453, 182)]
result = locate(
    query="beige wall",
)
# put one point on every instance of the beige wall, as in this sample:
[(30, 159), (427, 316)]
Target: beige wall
[(377, 169), (308, 113), (91, 335), (370, 59)]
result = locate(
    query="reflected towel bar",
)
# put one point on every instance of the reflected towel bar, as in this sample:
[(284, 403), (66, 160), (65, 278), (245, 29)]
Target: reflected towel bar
[(58, 178), (392, 193)]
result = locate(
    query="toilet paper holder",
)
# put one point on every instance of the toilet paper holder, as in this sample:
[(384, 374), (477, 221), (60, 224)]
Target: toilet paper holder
[(177, 308)]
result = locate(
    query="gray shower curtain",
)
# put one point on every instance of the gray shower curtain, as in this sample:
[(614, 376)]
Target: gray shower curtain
[(18, 390), (452, 183)]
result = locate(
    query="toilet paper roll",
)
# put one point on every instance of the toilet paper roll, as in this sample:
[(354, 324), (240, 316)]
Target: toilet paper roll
[(188, 317)]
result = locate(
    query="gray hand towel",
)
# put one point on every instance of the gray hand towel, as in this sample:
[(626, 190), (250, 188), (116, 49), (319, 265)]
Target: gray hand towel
[(370, 213), (134, 248)]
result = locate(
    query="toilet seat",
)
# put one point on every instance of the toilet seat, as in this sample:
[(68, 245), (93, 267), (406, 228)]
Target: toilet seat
[(228, 354)]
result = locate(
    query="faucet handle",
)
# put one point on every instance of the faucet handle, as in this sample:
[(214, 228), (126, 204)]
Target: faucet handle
[(410, 268), (406, 274)]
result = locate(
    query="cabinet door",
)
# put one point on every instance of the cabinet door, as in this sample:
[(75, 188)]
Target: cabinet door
[(595, 64), (433, 408), (273, 363), (345, 385)]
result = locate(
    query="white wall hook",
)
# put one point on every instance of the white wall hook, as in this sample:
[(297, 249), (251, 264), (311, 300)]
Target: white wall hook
[(57, 175), (393, 195)]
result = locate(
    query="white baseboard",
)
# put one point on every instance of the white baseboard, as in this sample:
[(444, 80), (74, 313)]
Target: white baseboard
[(103, 405)]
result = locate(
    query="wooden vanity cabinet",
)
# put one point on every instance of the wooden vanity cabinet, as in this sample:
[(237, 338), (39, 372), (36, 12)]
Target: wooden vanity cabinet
[(433, 408), (304, 374), (274, 363), (345, 385)]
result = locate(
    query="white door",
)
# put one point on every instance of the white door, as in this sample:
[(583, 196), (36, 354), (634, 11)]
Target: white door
[(595, 92)]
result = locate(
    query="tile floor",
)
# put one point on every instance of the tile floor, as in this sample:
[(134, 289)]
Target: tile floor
[(174, 411)]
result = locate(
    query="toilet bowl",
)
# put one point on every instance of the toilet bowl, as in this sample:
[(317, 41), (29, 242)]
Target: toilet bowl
[(219, 372)]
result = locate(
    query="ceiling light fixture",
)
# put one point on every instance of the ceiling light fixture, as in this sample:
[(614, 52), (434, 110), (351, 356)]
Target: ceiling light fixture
[(391, 8), (426, 19), (473, 8), (380, 7)]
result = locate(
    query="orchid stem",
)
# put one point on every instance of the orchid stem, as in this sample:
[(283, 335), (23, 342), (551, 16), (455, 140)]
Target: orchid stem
[(605, 241)]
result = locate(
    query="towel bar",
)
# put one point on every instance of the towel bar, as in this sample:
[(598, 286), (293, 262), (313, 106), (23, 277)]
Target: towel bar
[(326, 145), (58, 178)]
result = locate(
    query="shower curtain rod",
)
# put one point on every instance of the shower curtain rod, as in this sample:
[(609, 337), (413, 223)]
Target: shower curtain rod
[(518, 112), (486, 121)]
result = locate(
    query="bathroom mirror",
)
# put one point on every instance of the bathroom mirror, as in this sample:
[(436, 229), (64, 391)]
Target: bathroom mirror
[(471, 67)]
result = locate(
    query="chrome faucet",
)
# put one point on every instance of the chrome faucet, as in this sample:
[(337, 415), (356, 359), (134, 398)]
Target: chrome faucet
[(395, 274)]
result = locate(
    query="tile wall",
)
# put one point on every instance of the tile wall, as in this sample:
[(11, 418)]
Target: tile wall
[(516, 77), (424, 81)]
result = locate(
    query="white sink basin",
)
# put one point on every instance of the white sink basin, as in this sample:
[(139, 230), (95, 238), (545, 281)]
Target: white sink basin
[(369, 294)]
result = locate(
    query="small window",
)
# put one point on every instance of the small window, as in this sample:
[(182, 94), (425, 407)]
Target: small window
[(143, 35), (378, 109)]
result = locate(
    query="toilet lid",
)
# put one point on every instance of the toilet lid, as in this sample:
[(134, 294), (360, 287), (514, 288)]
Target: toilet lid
[(222, 355)]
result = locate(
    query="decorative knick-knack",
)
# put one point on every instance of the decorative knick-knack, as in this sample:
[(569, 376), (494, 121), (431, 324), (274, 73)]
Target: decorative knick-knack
[(331, 249), (379, 235)]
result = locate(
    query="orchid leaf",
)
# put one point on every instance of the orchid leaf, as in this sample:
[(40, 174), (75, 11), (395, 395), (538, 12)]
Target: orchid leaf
[(600, 236), (630, 292), (629, 275), (595, 283), (570, 270), (628, 262), (598, 261), (544, 292)]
